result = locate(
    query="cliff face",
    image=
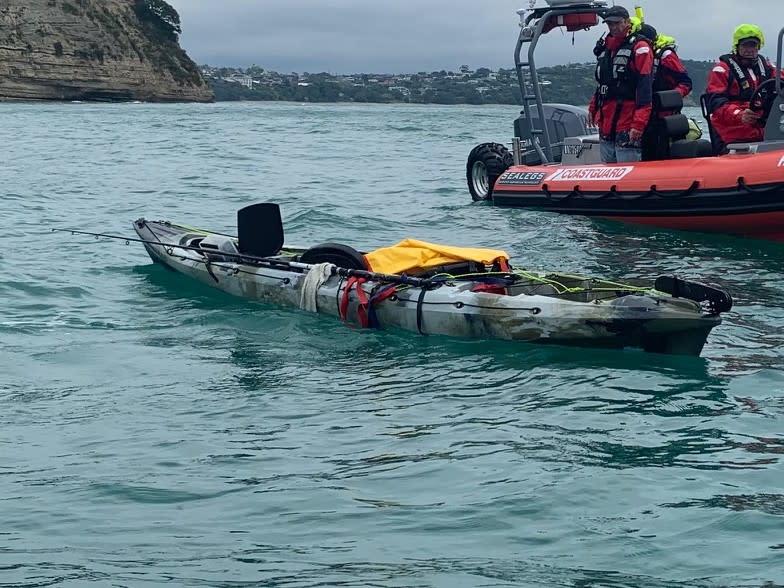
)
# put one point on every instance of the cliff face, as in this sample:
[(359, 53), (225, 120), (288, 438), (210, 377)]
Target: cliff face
[(93, 50)]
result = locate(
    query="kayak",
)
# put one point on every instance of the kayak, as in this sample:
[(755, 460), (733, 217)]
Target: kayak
[(449, 291)]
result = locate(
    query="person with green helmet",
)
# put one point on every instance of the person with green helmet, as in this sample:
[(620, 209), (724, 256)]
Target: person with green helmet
[(731, 84)]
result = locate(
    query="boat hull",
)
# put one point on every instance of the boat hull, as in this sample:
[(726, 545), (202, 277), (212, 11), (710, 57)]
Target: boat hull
[(650, 320), (734, 194)]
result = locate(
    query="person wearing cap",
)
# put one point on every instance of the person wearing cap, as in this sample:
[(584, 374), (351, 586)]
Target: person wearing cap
[(621, 105), (731, 84), (669, 73)]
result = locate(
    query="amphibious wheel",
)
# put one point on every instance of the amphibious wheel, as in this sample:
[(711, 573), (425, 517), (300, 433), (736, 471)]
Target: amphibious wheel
[(340, 255), (485, 163)]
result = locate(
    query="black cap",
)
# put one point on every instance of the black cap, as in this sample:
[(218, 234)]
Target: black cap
[(648, 32), (615, 14)]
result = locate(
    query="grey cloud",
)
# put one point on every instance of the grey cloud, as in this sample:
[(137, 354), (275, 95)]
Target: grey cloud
[(351, 36)]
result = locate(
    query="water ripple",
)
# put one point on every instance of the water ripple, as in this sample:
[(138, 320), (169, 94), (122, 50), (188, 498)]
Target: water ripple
[(160, 432)]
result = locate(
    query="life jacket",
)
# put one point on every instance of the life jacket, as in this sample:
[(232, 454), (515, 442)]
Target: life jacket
[(659, 83), (613, 74), (738, 73)]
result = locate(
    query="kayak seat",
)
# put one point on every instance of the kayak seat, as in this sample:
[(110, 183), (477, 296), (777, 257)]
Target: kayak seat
[(337, 254), (259, 229), (685, 149)]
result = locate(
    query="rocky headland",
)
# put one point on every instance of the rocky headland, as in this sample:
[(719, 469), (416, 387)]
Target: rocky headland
[(95, 50)]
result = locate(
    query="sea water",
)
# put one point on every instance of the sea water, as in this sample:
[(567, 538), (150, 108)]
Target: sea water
[(158, 432)]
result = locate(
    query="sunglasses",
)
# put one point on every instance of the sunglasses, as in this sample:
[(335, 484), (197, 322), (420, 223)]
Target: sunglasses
[(751, 43)]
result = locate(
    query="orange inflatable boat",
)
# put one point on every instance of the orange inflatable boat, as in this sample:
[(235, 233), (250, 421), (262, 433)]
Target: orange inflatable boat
[(554, 163), (741, 193)]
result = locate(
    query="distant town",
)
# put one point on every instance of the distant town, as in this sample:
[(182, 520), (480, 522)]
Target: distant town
[(571, 84)]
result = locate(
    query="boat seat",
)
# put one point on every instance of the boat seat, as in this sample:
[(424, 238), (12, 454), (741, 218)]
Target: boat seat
[(685, 149), (661, 132), (337, 254), (675, 125), (718, 146), (667, 100)]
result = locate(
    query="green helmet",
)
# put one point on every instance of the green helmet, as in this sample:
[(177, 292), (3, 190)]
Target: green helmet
[(747, 31)]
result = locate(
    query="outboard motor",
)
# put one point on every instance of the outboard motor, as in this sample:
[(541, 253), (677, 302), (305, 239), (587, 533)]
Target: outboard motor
[(563, 120)]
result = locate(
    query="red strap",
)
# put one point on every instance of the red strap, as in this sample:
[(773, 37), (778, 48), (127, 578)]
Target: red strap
[(343, 308), (489, 288), (363, 303), (356, 283), (503, 263), (384, 294)]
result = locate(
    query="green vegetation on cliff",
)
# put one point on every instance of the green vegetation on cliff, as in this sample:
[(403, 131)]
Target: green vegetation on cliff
[(569, 84), (160, 17), (95, 50)]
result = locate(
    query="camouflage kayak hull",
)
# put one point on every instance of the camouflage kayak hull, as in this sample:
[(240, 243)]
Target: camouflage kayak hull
[(546, 307)]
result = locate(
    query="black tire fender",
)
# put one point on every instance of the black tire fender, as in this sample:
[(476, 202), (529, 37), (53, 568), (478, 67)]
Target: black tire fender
[(485, 163), (340, 255)]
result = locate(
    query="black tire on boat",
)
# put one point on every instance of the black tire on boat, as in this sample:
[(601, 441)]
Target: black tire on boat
[(485, 163), (340, 255)]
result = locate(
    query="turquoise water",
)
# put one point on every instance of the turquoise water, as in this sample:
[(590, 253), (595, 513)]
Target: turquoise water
[(156, 432)]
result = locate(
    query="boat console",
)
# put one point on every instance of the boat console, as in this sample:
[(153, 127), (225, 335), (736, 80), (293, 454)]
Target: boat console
[(762, 147), (582, 150)]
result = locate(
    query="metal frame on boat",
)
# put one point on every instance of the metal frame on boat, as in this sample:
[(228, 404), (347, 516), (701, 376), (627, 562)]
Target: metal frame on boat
[(554, 163)]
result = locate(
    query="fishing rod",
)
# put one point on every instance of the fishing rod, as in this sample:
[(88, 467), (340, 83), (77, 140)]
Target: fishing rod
[(267, 261)]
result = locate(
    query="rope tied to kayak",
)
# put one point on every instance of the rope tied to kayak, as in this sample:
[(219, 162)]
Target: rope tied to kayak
[(314, 279)]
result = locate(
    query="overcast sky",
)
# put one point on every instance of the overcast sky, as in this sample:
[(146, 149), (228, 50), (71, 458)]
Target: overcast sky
[(408, 36)]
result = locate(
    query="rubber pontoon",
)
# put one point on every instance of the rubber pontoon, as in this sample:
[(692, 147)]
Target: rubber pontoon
[(465, 299), (556, 166)]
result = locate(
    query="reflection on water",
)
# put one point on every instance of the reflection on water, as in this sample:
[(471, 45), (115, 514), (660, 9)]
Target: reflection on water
[(767, 503)]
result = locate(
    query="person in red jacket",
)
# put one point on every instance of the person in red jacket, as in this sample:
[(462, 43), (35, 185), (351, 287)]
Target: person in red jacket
[(669, 73), (621, 105), (731, 84)]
